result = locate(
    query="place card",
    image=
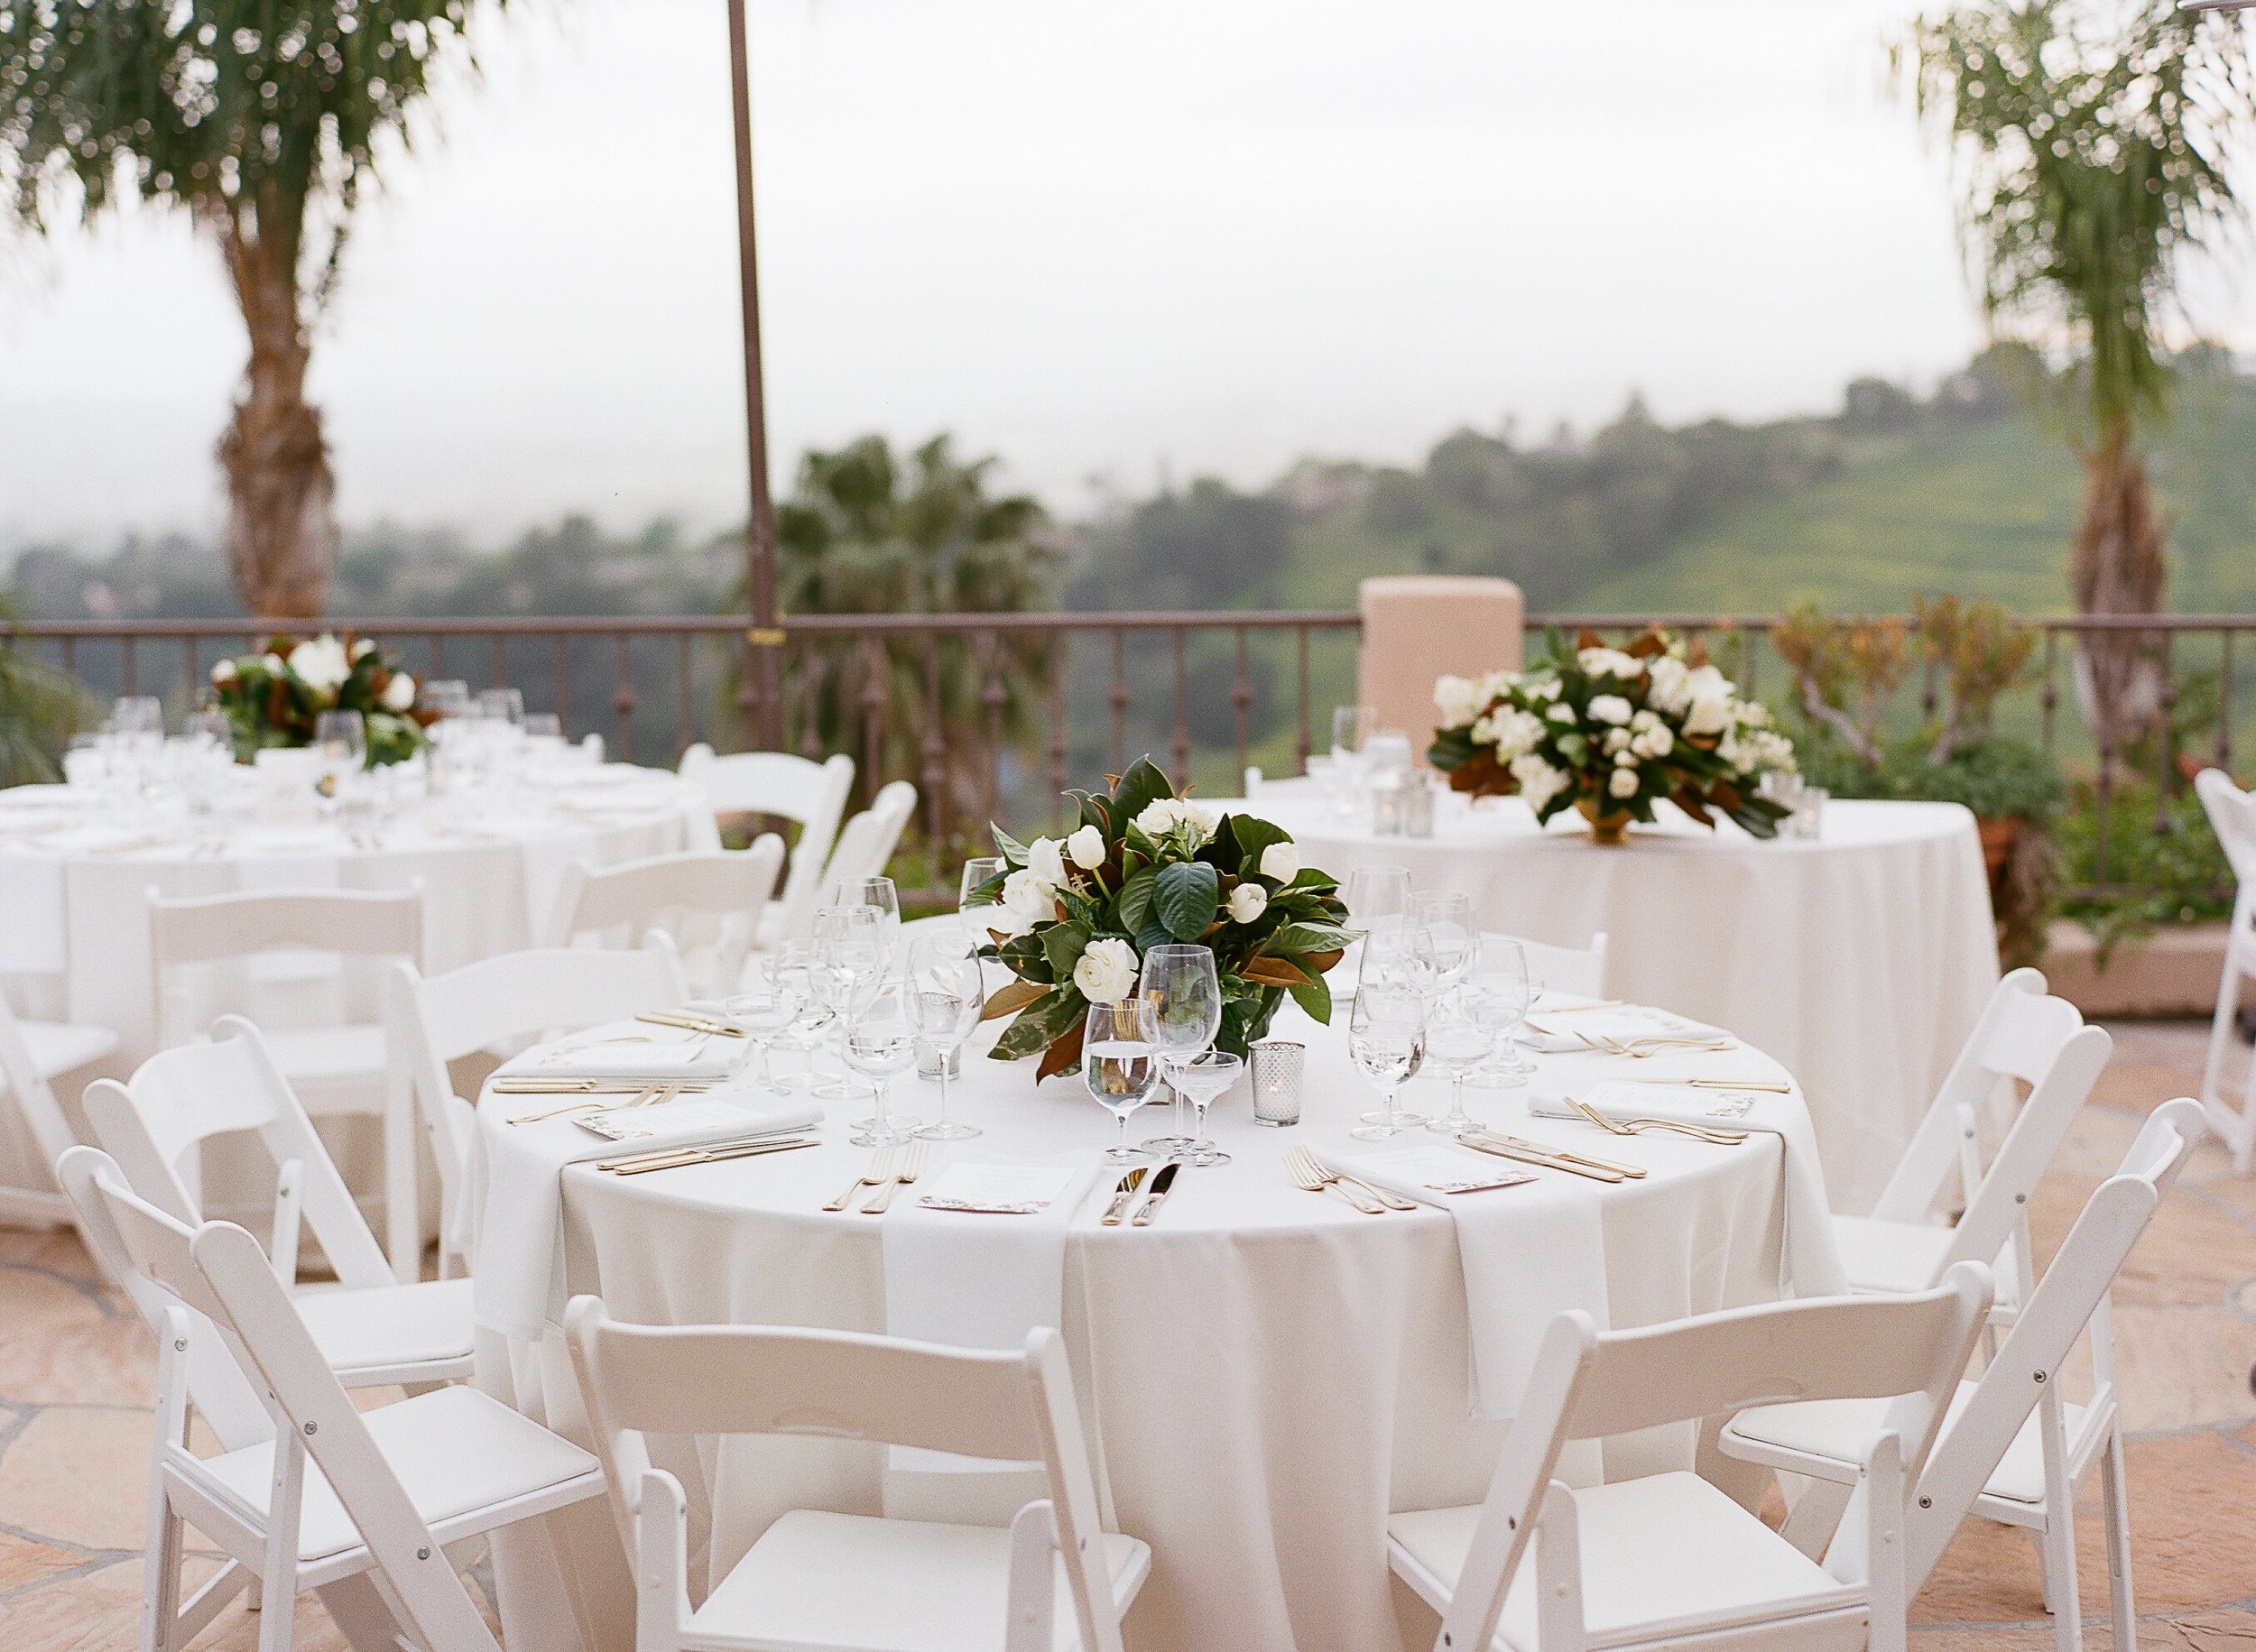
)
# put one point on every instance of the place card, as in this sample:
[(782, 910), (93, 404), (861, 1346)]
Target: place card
[(1000, 1190), (1436, 1170)]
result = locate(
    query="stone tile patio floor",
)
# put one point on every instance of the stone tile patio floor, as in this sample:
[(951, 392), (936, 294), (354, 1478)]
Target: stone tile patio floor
[(76, 1370)]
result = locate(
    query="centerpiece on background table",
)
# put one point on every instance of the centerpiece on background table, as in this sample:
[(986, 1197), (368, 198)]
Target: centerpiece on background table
[(273, 698), (1611, 732), (1143, 869)]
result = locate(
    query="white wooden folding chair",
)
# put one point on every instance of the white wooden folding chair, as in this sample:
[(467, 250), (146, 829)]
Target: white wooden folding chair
[(817, 1578), (371, 1329), (326, 1493), (1579, 970), (2009, 1435), (1669, 1560), (866, 846), (32, 1055), (2023, 1034), (619, 905), (790, 788), (2232, 817), (497, 1005)]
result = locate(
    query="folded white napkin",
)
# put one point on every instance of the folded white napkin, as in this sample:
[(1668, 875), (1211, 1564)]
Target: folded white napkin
[(976, 1279), (664, 1060), (1529, 1253), (1556, 1029), (518, 1283), (1809, 1262)]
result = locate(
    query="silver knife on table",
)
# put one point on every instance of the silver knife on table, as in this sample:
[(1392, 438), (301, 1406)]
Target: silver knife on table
[(1161, 1184), (1126, 1191)]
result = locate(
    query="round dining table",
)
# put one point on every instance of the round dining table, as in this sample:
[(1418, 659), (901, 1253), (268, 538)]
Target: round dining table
[(1859, 958), (1267, 1372)]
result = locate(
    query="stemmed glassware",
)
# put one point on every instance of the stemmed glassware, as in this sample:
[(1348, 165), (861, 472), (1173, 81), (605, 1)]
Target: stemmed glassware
[(768, 1004), (1443, 937), (880, 893), (1203, 1078), (850, 957), (1457, 1040), (1386, 1036), (797, 970), (1121, 1067), (1179, 1004), (1351, 727), (341, 737), (1497, 995), (880, 1044), (971, 909), (945, 995)]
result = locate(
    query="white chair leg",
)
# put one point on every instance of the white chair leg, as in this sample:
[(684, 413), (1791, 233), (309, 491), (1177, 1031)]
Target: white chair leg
[(2242, 1134), (2115, 1501), (2056, 1549), (2221, 1028), (161, 1560)]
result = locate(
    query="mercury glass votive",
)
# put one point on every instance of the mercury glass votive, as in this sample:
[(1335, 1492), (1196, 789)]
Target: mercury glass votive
[(1278, 1064)]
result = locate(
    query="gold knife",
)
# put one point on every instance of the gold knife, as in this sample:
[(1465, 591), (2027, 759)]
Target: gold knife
[(690, 1023), (1121, 1196), (1634, 1172), (702, 1155), (1768, 1086), (1161, 1185), (1481, 1144)]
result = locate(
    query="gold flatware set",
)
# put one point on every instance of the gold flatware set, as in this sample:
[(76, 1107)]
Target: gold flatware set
[(1549, 1158), (685, 1020), (598, 1095), (1314, 1175), (889, 1168), (1639, 1127), (706, 1153)]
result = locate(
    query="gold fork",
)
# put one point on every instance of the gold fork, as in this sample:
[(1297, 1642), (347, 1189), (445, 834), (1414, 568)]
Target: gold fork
[(880, 1167), (1638, 1127), (1314, 1177), (645, 1096), (911, 1167)]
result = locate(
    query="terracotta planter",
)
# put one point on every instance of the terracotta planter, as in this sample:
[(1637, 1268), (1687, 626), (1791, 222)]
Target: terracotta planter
[(1611, 829), (1998, 836)]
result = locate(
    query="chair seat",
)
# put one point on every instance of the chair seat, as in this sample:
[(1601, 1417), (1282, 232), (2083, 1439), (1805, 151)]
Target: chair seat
[(1840, 1431), (849, 1581), (389, 1325), (1668, 1555), (58, 1046), (1895, 1259), (454, 1449)]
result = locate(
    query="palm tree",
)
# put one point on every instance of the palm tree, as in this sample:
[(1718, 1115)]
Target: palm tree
[(2091, 141), (262, 118)]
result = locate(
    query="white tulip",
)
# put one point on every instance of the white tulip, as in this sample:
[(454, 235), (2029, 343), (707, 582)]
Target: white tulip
[(1025, 902), (1086, 848), (1105, 972), (1046, 859), (1248, 901), (1281, 862)]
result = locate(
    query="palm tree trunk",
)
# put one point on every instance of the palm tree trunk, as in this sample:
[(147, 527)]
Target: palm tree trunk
[(281, 541), (2118, 568)]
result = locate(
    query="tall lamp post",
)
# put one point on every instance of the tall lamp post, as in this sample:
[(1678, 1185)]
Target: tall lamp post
[(760, 695)]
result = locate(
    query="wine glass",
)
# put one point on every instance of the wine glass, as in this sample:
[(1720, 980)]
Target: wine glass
[(1203, 1078), (880, 1044), (1350, 727), (767, 1004), (1458, 1041), (1179, 1007), (1386, 1036), (1443, 937), (850, 963), (880, 893), (1376, 892), (946, 995), (797, 971), (504, 705), (1497, 994), (1121, 1067), (971, 907), (341, 737)]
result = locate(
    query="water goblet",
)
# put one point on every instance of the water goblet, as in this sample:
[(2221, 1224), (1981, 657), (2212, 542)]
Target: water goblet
[(1386, 1036), (1203, 1078), (504, 705), (766, 1007), (973, 908), (946, 995), (880, 1044), (1443, 937), (1497, 995), (341, 737), (1179, 1005), (1456, 1041), (850, 962), (1121, 1067), (880, 893)]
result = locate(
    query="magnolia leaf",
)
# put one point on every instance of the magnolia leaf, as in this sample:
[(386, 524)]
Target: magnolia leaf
[(1184, 897), (1012, 849), (1271, 973), (1135, 898), (1311, 937), (1587, 638), (1064, 1054), (1253, 838), (1038, 1026), (1153, 933), (1017, 996), (1139, 786), (1314, 998), (1652, 643), (1321, 962), (1062, 944)]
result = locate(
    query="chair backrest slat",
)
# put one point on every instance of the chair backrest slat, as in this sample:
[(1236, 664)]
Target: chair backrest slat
[(2232, 817), (624, 904), (794, 788), (200, 928), (1579, 970), (867, 845)]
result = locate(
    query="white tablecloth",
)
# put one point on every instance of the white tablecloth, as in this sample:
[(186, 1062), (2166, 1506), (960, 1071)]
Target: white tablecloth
[(1268, 1372), (1860, 960)]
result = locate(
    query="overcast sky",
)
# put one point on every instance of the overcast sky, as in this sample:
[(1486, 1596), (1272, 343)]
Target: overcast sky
[(1101, 240)]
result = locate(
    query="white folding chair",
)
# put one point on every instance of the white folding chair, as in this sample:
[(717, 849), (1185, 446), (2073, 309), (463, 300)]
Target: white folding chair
[(329, 1492), (2023, 1034), (495, 1005), (619, 905), (371, 1328), (2232, 817), (33, 1054), (865, 847), (2024, 1451), (791, 788), (817, 1578), (1669, 1560), (1579, 970)]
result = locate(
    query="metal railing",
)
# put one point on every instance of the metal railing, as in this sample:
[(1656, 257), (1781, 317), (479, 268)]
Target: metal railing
[(994, 715)]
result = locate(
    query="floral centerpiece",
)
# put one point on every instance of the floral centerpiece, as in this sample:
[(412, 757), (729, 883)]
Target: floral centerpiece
[(274, 698), (1143, 869), (1611, 732)]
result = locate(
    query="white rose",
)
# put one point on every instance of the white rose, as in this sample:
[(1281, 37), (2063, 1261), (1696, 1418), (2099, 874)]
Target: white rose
[(399, 694), (224, 672), (1281, 862), (1460, 700), (1708, 715), (1610, 709), (1205, 816), (1617, 740), (1665, 685), (1046, 859), (1159, 817), (1086, 847), (1654, 742), (1561, 714), (322, 664), (1623, 784), (1105, 972), (1610, 662), (1516, 732), (1539, 781), (1025, 902), (1248, 901), (363, 648)]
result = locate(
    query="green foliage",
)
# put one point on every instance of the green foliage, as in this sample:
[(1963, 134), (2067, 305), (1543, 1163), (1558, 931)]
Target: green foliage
[(2140, 868), (1996, 775), (39, 708)]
